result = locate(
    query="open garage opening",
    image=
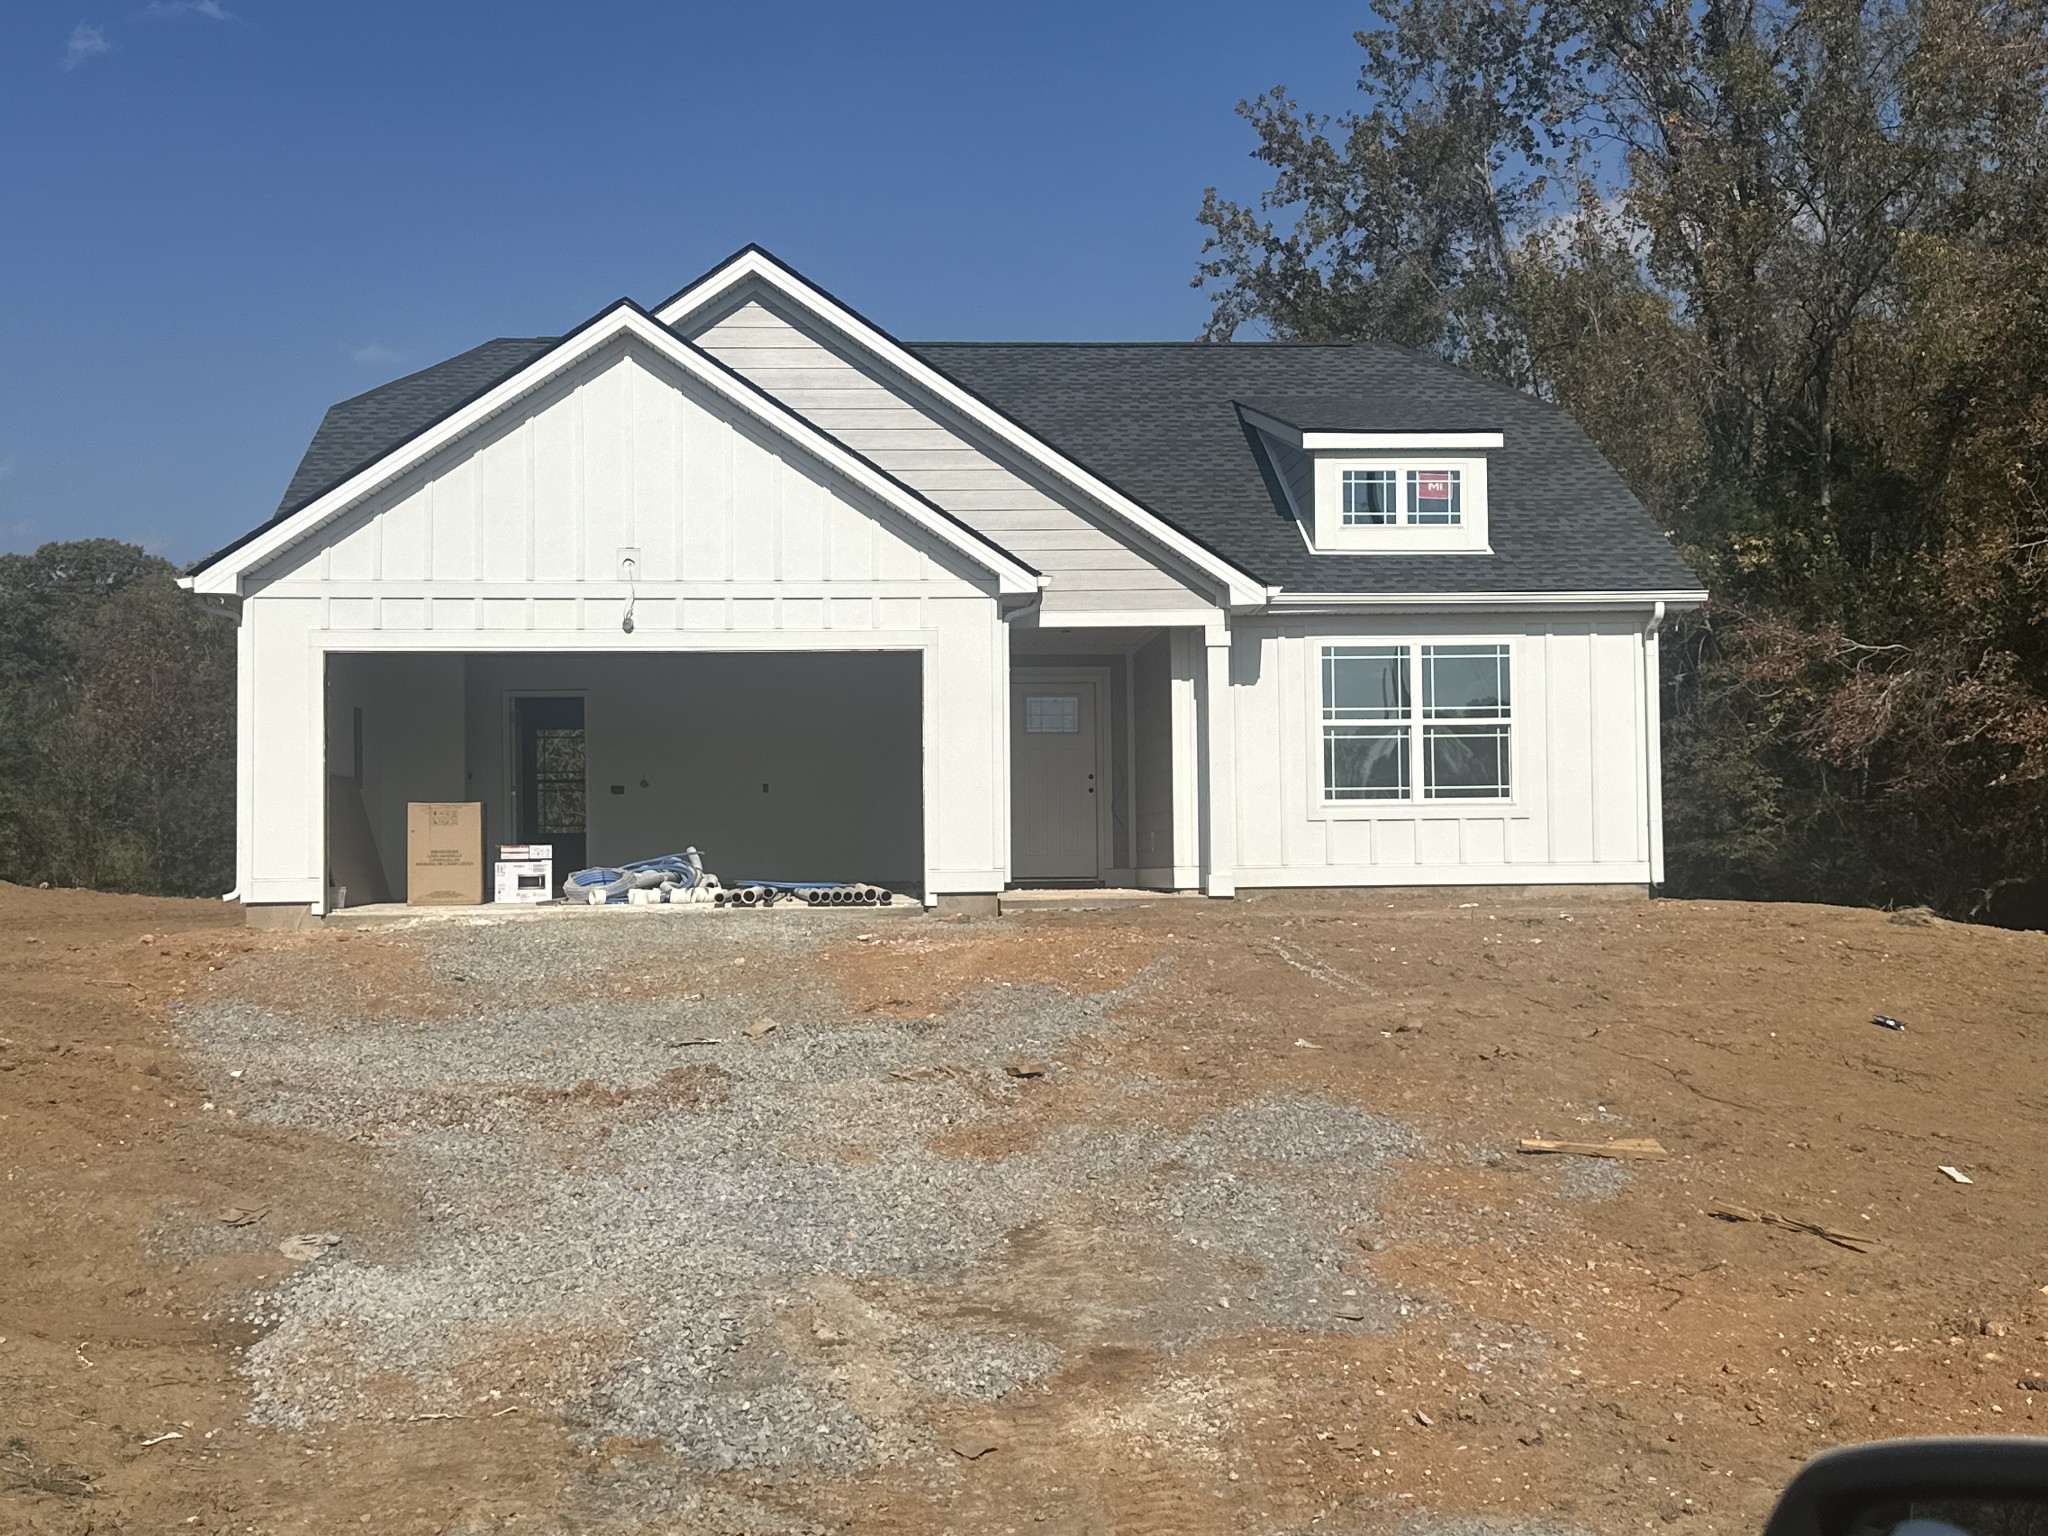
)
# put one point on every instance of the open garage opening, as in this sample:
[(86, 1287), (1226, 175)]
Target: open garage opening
[(778, 766)]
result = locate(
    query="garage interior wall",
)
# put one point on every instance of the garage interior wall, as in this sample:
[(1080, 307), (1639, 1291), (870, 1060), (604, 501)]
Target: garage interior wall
[(792, 766), (796, 766), (393, 734)]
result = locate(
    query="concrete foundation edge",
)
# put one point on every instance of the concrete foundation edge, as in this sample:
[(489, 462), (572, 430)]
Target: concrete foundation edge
[(279, 916), (968, 904)]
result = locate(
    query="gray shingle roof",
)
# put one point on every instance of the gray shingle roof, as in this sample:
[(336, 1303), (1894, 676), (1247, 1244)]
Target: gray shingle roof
[(1159, 422), (365, 427)]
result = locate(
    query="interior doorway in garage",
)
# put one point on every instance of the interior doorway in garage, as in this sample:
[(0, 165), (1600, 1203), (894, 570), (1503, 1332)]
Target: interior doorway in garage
[(551, 785)]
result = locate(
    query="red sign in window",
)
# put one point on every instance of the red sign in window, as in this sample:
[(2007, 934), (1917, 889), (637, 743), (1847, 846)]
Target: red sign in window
[(1432, 496)]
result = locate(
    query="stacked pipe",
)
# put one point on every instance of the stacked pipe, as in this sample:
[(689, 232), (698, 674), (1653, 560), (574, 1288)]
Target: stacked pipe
[(813, 893), (854, 895)]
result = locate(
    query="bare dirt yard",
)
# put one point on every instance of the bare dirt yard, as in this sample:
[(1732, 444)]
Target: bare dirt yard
[(1183, 1218)]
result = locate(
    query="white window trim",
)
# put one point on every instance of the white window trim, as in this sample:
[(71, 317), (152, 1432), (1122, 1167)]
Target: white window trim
[(1415, 803), (1331, 533)]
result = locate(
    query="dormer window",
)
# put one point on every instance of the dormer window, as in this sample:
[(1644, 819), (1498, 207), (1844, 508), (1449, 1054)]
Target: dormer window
[(1355, 491), (1398, 503)]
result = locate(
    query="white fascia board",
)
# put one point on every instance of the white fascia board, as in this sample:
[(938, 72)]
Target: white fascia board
[(1327, 602), (1400, 442), (624, 319), (1371, 442), (759, 266)]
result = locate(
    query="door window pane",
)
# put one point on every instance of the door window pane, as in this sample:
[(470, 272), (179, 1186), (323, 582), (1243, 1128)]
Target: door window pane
[(1464, 682), (561, 797), (1465, 762), (1365, 682), (1055, 713)]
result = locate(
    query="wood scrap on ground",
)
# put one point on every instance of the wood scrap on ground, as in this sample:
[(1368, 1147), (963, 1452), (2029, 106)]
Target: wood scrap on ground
[(1855, 1242), (1626, 1146)]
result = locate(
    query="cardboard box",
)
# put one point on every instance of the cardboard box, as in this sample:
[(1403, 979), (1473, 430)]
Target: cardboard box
[(531, 881), (444, 853), (511, 851)]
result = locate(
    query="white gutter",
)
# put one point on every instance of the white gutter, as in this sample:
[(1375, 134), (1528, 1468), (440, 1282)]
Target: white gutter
[(1312, 601)]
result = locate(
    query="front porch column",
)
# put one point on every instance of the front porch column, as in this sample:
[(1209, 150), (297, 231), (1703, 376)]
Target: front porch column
[(1218, 768)]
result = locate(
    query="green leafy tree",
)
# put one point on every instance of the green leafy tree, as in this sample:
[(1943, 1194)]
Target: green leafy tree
[(1787, 264), (116, 724)]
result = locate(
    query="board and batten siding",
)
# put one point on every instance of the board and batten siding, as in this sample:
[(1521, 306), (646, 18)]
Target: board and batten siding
[(1580, 807), (509, 540), (1093, 570)]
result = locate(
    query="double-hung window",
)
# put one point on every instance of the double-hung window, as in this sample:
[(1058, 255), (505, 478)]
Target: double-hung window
[(1395, 717)]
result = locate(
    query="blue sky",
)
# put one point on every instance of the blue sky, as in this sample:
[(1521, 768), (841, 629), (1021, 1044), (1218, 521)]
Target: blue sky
[(223, 215)]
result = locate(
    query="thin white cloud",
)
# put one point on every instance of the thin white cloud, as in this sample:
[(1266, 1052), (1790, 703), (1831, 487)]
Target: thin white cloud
[(87, 43), (171, 10), (376, 355)]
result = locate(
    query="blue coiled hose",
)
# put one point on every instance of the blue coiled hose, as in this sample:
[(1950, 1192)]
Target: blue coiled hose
[(684, 870)]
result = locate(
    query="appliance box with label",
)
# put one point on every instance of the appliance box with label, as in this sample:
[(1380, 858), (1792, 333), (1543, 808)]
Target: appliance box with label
[(531, 881), (444, 853)]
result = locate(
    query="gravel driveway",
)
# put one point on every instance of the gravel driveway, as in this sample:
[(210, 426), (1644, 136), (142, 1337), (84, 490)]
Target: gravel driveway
[(751, 1250)]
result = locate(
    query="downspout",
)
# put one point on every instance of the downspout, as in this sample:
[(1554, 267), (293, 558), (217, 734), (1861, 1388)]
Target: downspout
[(1653, 714)]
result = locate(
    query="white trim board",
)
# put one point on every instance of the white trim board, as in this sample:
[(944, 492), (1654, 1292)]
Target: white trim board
[(755, 265), (624, 320), (1310, 440)]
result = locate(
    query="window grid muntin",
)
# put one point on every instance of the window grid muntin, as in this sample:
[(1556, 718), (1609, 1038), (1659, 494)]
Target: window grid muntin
[(1426, 731), (1346, 744), (1397, 709), (1437, 659), (1454, 514), (1371, 498), (1052, 714)]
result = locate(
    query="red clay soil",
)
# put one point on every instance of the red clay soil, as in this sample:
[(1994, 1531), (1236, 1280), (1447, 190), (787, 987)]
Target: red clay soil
[(1590, 1342)]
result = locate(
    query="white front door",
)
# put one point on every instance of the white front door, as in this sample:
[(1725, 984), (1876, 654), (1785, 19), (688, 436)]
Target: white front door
[(1055, 801)]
